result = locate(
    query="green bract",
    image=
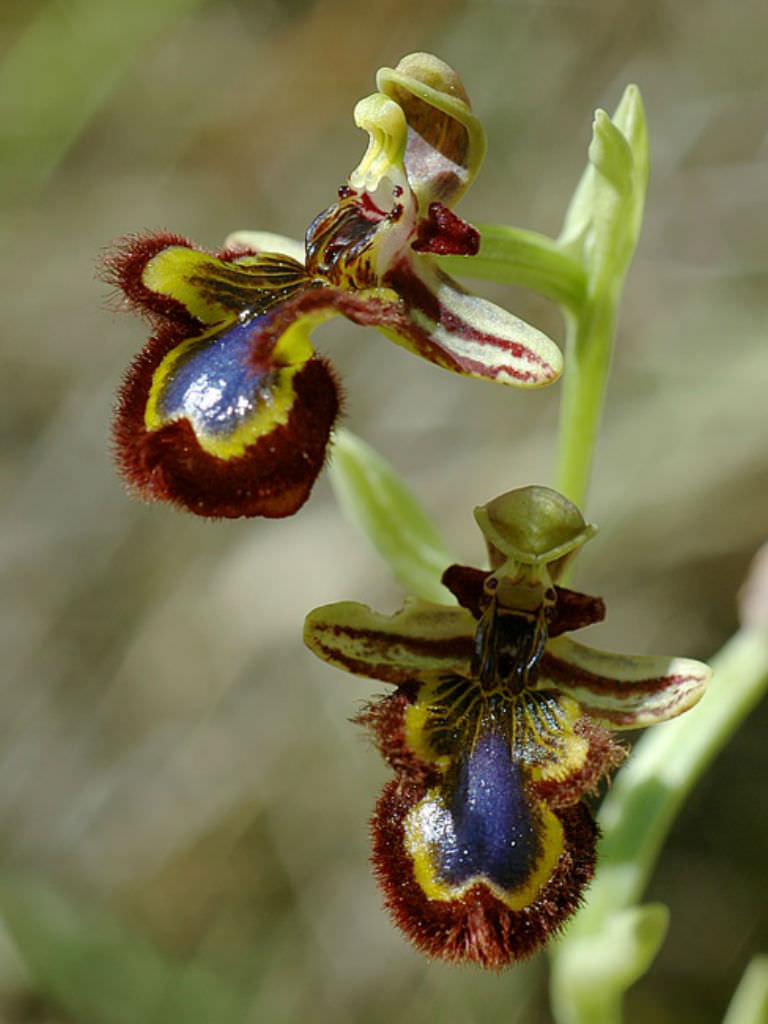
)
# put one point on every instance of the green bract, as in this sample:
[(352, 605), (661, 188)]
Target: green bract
[(603, 221)]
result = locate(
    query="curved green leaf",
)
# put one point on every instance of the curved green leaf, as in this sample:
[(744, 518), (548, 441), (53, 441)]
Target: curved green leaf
[(375, 499)]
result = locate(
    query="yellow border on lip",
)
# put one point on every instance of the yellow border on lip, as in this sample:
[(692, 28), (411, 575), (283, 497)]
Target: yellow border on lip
[(272, 408), (550, 835), (214, 290)]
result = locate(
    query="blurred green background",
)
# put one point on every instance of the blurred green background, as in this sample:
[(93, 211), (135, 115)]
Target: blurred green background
[(183, 803)]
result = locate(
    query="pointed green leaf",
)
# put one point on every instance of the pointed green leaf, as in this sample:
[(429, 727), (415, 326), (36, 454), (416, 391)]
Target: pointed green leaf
[(586, 986), (629, 118), (375, 499), (749, 1004), (610, 153), (603, 221)]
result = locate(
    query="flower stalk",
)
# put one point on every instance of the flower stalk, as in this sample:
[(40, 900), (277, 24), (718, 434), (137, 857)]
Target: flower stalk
[(499, 726), (602, 225), (526, 258), (635, 819), (612, 941), (583, 271)]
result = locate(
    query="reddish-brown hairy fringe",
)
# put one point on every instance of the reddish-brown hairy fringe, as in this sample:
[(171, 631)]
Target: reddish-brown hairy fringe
[(604, 755), (478, 927), (124, 265), (384, 718), (273, 478)]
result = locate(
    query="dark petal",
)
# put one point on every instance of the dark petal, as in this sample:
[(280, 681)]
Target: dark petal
[(477, 927), (492, 826), (466, 585), (443, 233), (483, 824), (574, 611)]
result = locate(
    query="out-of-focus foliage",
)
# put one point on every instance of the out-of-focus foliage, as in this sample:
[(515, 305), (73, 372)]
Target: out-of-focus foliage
[(168, 752)]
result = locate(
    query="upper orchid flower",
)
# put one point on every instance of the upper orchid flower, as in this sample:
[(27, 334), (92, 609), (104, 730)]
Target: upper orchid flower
[(227, 410), (498, 727)]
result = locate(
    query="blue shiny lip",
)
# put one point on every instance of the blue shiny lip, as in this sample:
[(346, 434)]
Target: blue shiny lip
[(215, 385), (492, 830)]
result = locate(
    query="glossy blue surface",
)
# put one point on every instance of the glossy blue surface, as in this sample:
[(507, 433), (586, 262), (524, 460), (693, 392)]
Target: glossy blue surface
[(214, 385), (493, 831)]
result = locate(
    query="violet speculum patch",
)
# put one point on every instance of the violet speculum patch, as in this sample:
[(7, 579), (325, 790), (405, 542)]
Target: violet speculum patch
[(498, 728), (228, 410)]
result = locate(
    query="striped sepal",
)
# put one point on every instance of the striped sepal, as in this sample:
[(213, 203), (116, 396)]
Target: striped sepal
[(418, 642), (623, 691)]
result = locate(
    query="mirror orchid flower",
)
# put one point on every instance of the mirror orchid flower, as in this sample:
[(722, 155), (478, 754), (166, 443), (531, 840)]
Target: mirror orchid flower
[(228, 410), (498, 726)]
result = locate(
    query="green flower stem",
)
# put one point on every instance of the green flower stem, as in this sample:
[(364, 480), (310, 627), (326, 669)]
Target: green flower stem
[(636, 816), (648, 793), (525, 258), (750, 1000), (588, 348), (603, 223), (583, 270), (531, 260)]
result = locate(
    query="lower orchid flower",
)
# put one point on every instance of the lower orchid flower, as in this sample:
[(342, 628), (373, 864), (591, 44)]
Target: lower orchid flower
[(228, 411), (498, 727)]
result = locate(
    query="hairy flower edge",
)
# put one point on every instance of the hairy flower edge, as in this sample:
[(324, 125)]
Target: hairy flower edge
[(499, 727), (478, 927), (228, 411), (250, 433)]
